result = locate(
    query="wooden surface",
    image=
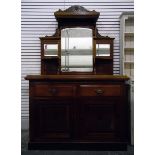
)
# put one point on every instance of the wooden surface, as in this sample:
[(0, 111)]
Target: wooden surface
[(100, 90), (76, 16), (78, 110), (77, 77)]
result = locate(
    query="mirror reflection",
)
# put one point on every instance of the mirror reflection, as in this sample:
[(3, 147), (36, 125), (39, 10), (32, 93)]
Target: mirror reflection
[(102, 49), (76, 50), (50, 49)]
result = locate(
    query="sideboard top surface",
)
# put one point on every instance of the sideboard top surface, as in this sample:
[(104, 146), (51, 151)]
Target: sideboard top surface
[(78, 77)]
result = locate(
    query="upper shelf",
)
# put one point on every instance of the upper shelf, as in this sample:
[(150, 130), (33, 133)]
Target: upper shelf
[(129, 48), (129, 34)]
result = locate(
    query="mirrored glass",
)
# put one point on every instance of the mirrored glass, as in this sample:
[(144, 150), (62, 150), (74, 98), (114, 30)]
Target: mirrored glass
[(76, 50), (50, 49), (102, 49)]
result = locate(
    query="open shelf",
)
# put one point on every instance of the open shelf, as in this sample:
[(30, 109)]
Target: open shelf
[(104, 57), (128, 61), (127, 57), (129, 48), (130, 34), (129, 69), (127, 44), (50, 57)]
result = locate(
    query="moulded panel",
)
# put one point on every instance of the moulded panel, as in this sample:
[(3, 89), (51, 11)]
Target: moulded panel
[(50, 120), (102, 119)]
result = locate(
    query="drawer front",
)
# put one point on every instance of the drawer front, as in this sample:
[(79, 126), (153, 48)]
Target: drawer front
[(100, 90), (53, 90)]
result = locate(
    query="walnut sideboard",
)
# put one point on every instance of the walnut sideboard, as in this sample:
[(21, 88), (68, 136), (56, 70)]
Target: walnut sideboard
[(77, 102), (79, 112)]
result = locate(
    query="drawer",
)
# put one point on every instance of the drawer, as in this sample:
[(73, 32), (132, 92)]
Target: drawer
[(100, 90), (53, 90)]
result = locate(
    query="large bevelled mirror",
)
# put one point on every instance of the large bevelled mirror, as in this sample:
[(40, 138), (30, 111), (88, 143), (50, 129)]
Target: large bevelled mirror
[(76, 50)]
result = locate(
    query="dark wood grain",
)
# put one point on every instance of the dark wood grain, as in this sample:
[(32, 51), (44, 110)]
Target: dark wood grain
[(100, 90), (78, 77), (75, 112)]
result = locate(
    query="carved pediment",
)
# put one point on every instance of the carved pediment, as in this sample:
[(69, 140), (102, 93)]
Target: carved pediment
[(76, 13), (76, 10)]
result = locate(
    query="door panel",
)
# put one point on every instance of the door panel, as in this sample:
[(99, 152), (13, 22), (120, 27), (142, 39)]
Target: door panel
[(51, 119), (100, 119)]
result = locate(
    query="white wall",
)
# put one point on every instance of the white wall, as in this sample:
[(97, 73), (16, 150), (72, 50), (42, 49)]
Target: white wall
[(37, 20)]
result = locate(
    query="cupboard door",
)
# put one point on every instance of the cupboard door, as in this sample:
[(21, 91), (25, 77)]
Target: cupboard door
[(50, 119), (100, 119)]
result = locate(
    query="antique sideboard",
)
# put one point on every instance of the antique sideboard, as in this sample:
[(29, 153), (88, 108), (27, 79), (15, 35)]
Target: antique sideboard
[(77, 102)]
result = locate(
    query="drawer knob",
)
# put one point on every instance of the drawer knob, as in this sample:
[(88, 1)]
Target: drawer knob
[(99, 91), (53, 91)]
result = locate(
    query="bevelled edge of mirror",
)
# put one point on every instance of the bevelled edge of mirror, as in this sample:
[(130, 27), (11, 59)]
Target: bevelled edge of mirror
[(76, 50)]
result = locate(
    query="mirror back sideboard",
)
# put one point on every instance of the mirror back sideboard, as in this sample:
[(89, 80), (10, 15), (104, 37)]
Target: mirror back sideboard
[(77, 102), (75, 36)]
